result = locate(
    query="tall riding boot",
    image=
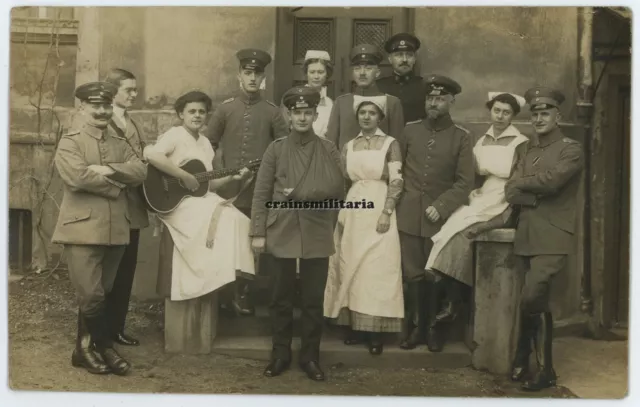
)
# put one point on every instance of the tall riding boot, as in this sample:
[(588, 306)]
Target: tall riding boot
[(416, 317), (83, 355), (435, 334), (241, 302), (97, 325), (520, 367), (453, 299), (546, 376)]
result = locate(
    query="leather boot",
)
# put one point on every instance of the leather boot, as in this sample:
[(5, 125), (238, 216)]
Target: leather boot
[(83, 355), (375, 343), (545, 377), (416, 317), (453, 298), (241, 301), (97, 325), (435, 334), (520, 366)]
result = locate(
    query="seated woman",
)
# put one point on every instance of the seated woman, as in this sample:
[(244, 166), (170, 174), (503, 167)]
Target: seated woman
[(364, 286), (495, 154), (210, 236)]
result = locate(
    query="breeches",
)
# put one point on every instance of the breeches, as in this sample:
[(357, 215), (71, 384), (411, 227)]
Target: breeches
[(415, 251), (92, 271), (539, 272)]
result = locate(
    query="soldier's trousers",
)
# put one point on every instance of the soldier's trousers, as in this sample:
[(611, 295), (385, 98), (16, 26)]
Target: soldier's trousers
[(92, 271), (118, 298), (415, 251), (313, 279), (539, 271)]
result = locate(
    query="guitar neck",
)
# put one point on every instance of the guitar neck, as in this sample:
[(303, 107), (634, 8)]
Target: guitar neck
[(207, 176)]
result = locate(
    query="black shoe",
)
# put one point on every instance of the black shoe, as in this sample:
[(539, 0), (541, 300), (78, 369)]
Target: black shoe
[(88, 360), (375, 348), (435, 342), (124, 339), (313, 371), (241, 303), (518, 373), (116, 363), (542, 380), (448, 313), (276, 367), (353, 337)]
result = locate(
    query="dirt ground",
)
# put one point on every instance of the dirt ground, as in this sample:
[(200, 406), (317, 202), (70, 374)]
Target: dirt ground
[(42, 323)]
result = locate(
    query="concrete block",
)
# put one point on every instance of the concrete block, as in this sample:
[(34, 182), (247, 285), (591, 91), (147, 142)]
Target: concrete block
[(190, 326), (497, 293)]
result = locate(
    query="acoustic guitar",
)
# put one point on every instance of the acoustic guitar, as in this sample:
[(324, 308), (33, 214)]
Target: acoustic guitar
[(164, 192)]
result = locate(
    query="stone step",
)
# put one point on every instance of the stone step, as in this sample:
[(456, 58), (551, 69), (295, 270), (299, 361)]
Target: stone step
[(333, 352)]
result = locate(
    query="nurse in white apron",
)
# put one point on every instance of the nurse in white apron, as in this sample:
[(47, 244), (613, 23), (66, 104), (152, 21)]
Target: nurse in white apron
[(495, 155), (364, 285), (210, 236)]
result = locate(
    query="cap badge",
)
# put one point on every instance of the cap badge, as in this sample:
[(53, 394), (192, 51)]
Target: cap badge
[(537, 92), (537, 98), (402, 42), (254, 53), (253, 61), (363, 56)]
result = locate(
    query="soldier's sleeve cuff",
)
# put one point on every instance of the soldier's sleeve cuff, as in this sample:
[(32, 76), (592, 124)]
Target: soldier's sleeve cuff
[(116, 183)]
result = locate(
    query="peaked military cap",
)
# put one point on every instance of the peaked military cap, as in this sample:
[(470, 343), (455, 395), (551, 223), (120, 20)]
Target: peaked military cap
[(301, 97), (540, 98), (402, 42), (96, 92), (441, 85), (253, 59), (365, 54)]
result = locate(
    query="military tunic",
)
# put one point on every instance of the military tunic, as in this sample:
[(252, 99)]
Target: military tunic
[(240, 130), (93, 222), (343, 124), (438, 171), (545, 185), (411, 91)]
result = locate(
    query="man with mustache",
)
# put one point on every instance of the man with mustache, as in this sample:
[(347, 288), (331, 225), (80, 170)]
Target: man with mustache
[(96, 166), (240, 130), (124, 126), (438, 173), (544, 185), (404, 83), (343, 125)]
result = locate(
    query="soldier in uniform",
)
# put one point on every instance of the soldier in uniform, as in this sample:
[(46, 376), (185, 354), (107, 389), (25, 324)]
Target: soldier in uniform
[(343, 125), (544, 185), (438, 174), (404, 83), (301, 167), (124, 126), (240, 130), (96, 166)]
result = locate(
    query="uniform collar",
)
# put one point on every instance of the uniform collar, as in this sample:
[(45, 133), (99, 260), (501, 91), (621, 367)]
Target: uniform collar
[(249, 98), (369, 91), (441, 123), (510, 131), (301, 138), (95, 132), (378, 132), (550, 138), (402, 78)]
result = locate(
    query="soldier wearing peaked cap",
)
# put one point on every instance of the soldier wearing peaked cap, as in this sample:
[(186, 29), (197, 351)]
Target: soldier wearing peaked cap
[(301, 167), (434, 187), (404, 83), (240, 130), (96, 165), (544, 185), (343, 125)]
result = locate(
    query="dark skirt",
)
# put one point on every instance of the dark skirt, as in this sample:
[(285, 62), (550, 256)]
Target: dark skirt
[(456, 260)]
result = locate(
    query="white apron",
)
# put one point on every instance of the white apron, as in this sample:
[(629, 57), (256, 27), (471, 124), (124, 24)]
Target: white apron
[(365, 273), (486, 202)]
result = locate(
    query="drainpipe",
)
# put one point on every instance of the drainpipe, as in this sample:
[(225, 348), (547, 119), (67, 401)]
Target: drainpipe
[(584, 107)]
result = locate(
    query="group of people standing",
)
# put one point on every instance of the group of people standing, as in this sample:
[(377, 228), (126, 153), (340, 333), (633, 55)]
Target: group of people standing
[(403, 266)]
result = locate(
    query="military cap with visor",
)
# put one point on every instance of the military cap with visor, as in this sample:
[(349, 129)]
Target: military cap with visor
[(301, 97), (438, 85), (254, 59), (402, 42), (541, 98), (365, 54), (96, 92)]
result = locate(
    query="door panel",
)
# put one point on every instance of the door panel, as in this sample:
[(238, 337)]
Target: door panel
[(335, 30), (624, 175)]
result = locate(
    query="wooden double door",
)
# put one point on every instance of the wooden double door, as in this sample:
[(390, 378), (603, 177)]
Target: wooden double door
[(335, 30)]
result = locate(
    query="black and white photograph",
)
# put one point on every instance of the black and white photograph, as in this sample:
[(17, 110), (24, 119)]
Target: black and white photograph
[(423, 201)]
